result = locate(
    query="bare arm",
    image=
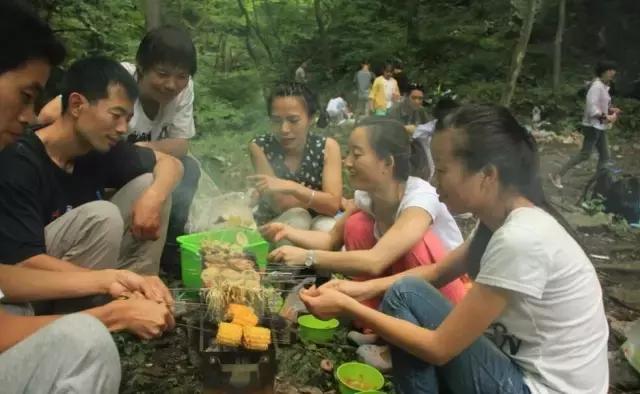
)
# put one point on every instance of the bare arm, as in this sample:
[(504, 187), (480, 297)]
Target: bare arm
[(49, 263), (455, 264), (16, 328), (407, 230), (464, 325), (176, 147), (147, 209), (22, 284), (316, 240), (291, 194)]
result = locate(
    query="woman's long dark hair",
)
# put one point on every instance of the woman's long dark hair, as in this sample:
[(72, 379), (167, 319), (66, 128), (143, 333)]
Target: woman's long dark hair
[(388, 138), (492, 136)]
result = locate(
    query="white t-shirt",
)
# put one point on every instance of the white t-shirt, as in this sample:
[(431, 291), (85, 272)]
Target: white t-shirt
[(389, 85), (597, 104), (419, 193), (554, 327), (336, 106), (174, 120)]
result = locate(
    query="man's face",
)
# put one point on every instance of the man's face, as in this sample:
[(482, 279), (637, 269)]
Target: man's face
[(387, 73), (19, 89), (102, 124), (417, 98), (163, 82)]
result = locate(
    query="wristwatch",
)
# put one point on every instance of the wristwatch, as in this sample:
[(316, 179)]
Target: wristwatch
[(311, 259)]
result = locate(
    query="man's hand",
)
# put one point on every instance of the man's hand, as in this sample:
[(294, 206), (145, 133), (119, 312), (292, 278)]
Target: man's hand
[(323, 302), (359, 291), (160, 291), (290, 255), (274, 232), (145, 217), (266, 183), (145, 318), (410, 129), (126, 282)]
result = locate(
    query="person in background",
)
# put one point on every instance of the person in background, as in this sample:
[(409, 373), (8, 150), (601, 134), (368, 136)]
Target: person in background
[(162, 120), (50, 353), (534, 320), (424, 132), (363, 79), (338, 109), (397, 222), (599, 116), (410, 111), (384, 92), (401, 78), (297, 173), (301, 73)]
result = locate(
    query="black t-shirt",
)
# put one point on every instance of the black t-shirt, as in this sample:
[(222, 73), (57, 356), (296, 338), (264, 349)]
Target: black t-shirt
[(34, 191)]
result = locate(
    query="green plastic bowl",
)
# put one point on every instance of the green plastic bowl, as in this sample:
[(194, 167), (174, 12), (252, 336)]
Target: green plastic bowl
[(348, 373), (316, 330), (372, 392), (191, 263)]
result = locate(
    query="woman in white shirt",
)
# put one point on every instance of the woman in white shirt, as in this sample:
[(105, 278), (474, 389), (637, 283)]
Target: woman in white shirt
[(534, 320), (397, 222), (599, 116)]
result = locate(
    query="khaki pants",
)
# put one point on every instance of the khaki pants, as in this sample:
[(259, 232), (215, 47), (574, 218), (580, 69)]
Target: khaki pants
[(97, 235)]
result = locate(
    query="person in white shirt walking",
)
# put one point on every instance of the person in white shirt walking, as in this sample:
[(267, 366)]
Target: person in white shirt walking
[(599, 116), (533, 321)]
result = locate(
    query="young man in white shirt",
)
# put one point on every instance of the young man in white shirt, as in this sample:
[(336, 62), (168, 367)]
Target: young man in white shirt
[(598, 117)]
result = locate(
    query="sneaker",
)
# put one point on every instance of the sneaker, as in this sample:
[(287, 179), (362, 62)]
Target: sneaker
[(556, 180), (362, 339), (377, 356)]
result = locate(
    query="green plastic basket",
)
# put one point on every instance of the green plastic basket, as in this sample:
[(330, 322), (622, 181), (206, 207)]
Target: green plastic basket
[(191, 262)]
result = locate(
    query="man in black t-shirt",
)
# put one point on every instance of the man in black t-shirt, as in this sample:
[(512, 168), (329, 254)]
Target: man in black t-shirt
[(52, 201)]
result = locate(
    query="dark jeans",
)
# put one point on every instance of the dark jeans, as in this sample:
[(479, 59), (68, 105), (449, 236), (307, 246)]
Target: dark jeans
[(593, 139), (481, 368), (182, 197)]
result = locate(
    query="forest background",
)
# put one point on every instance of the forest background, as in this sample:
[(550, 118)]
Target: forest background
[(524, 53)]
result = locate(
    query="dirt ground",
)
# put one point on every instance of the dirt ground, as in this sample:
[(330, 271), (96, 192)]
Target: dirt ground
[(165, 365)]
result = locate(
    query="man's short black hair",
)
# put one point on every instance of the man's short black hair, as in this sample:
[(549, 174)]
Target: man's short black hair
[(167, 45), (604, 66), (443, 107), (92, 77), (24, 36)]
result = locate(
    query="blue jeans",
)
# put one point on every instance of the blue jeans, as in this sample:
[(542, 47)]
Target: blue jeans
[(481, 368)]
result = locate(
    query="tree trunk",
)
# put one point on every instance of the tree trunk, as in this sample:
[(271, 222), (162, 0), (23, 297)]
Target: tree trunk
[(557, 55), (322, 35), (520, 51), (152, 13), (412, 25), (251, 27)]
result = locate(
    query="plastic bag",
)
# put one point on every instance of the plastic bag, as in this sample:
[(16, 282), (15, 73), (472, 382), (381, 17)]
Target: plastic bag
[(231, 209)]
